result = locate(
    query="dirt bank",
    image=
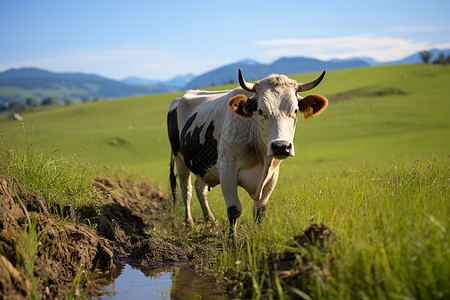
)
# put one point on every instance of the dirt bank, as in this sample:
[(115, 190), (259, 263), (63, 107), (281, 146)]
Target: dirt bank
[(86, 238)]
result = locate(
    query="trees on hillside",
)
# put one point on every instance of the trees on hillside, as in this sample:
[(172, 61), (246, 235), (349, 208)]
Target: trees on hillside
[(49, 101), (441, 60), (16, 106), (31, 103), (426, 56)]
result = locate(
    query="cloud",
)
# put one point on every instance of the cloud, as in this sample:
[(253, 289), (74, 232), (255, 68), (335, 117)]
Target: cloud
[(378, 47)]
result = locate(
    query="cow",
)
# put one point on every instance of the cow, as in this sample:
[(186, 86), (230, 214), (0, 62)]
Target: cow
[(236, 138)]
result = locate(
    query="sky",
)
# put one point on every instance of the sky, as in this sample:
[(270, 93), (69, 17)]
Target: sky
[(161, 39)]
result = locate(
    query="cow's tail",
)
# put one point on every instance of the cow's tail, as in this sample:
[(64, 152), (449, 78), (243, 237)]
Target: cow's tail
[(173, 179)]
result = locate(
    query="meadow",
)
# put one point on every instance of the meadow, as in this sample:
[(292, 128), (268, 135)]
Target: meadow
[(374, 167)]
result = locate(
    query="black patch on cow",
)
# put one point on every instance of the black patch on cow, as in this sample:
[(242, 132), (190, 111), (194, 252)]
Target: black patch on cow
[(174, 133), (198, 157), (233, 214)]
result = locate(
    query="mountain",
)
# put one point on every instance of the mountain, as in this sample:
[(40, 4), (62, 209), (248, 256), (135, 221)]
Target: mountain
[(368, 60), (254, 70), (133, 80), (20, 84), (178, 81)]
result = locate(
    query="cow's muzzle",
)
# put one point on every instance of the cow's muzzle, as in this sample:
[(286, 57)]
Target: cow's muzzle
[(281, 149)]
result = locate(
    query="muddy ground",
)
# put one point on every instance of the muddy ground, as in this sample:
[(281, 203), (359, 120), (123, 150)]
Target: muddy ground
[(127, 227)]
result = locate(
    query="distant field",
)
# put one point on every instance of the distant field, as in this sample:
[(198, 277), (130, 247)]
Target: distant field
[(374, 167)]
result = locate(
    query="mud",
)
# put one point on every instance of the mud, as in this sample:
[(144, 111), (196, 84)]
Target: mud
[(293, 267), (66, 247)]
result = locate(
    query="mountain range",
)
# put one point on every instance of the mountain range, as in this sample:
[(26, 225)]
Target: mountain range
[(254, 70), (20, 84)]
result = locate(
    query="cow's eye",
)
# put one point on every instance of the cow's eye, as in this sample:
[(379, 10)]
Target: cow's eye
[(294, 114)]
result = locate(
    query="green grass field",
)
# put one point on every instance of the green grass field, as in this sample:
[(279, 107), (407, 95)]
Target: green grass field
[(374, 167)]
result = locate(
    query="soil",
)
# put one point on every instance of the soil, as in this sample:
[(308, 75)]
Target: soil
[(115, 231), (126, 228)]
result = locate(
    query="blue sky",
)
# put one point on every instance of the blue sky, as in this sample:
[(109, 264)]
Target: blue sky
[(161, 39)]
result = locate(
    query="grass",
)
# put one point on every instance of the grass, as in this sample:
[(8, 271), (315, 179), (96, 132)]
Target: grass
[(391, 222), (374, 167), (61, 181), (29, 244)]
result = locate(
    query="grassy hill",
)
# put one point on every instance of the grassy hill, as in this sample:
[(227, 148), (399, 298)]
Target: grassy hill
[(20, 84), (374, 167)]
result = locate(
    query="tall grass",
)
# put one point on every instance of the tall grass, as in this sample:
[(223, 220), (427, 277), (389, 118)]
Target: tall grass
[(395, 244), (392, 224), (61, 181), (30, 243)]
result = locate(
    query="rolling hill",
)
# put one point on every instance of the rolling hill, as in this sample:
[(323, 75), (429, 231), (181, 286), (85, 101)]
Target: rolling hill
[(20, 84)]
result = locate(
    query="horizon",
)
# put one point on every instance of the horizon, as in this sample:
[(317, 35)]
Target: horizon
[(158, 41), (364, 59)]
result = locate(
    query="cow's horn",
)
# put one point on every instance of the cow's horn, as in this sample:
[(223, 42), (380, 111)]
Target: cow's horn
[(250, 87), (302, 87)]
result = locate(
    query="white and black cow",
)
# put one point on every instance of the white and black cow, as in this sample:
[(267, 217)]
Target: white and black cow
[(236, 138)]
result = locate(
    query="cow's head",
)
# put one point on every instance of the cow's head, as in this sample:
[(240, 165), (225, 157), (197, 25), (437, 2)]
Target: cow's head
[(277, 104)]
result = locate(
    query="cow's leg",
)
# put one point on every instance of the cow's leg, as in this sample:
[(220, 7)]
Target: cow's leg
[(202, 190), (259, 207), (186, 188), (228, 183), (259, 214)]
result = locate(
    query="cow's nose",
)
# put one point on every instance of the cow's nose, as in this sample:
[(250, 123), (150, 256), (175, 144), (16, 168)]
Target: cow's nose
[(281, 149)]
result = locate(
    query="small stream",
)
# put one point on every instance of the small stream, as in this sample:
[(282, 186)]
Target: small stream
[(165, 282)]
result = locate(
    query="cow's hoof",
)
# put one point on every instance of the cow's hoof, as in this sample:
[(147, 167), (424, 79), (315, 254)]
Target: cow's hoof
[(231, 241), (213, 222), (189, 223)]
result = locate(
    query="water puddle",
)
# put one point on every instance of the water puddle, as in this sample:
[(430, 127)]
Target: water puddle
[(165, 282)]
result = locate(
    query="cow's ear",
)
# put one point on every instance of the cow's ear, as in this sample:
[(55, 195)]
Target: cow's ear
[(242, 105), (317, 102)]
